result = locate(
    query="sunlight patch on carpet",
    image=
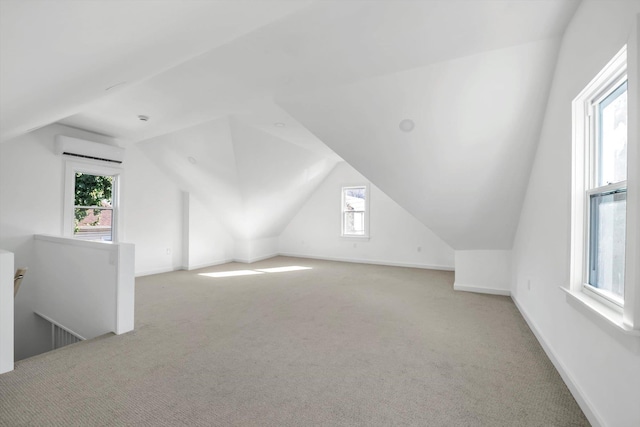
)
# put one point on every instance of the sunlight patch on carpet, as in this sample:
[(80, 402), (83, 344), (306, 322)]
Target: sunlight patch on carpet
[(256, 271), (283, 269), (231, 273)]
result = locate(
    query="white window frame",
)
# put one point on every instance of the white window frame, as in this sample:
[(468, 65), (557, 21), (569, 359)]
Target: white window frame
[(367, 198), (619, 313), (91, 168)]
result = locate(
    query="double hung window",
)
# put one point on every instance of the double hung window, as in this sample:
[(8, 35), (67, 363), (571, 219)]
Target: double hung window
[(607, 194), (600, 184), (91, 201), (93, 206), (355, 211)]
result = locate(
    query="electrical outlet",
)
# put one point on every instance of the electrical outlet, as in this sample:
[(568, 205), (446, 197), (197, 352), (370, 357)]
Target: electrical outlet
[(419, 248), (168, 251), (355, 245)]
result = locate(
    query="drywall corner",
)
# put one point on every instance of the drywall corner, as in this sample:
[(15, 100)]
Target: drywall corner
[(248, 251), (483, 271)]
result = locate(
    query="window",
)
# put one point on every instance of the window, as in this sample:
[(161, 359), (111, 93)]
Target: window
[(91, 201), (93, 207), (355, 211), (600, 185)]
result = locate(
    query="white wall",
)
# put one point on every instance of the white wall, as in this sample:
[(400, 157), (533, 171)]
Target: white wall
[(251, 182), (87, 287), (207, 241), (152, 214), (275, 178), (486, 272), (600, 364), (396, 237), (477, 118), (31, 201), (256, 249), (6, 311)]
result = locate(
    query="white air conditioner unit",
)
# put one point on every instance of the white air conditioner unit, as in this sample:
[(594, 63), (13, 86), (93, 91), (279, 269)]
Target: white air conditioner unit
[(68, 146)]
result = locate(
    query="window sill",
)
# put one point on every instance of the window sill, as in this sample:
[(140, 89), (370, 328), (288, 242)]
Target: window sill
[(601, 311), (356, 238)]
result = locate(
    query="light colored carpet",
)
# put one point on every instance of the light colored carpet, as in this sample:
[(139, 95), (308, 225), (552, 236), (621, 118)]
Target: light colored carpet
[(338, 345)]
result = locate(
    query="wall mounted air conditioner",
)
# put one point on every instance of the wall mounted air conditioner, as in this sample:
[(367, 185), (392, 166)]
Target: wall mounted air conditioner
[(74, 147)]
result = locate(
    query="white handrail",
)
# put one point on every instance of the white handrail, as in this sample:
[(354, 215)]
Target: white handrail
[(53, 322)]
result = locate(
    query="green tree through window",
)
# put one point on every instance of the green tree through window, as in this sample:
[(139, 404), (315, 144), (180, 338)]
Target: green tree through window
[(91, 191)]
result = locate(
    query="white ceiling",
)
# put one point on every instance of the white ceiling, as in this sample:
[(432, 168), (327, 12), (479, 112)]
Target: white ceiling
[(253, 183), (463, 168), (472, 74), (58, 56)]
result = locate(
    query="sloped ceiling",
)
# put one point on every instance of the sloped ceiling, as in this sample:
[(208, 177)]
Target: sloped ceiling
[(250, 181), (462, 168), (58, 56), (340, 75)]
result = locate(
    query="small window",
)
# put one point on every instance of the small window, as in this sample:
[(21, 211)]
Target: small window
[(93, 207), (600, 184), (91, 201), (355, 211)]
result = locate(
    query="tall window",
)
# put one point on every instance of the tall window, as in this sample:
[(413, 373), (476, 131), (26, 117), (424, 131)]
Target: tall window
[(355, 215), (600, 183), (608, 195)]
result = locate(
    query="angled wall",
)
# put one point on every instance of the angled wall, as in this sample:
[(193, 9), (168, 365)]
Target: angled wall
[(201, 161), (242, 184), (275, 177), (475, 116)]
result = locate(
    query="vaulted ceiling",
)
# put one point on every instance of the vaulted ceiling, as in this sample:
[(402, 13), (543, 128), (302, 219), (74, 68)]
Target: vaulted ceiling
[(473, 75), (252, 182)]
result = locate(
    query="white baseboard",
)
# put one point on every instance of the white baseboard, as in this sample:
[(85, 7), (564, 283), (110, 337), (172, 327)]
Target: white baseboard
[(157, 271), (194, 267), (252, 260), (584, 403), (370, 261), (208, 264), (263, 257), (481, 290)]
